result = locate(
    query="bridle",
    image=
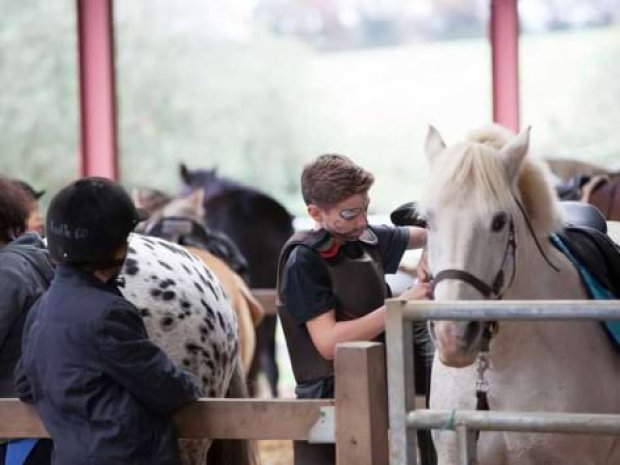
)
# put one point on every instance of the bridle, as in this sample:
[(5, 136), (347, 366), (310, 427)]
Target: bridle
[(496, 289)]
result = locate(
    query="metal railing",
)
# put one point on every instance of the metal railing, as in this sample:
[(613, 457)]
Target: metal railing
[(405, 419)]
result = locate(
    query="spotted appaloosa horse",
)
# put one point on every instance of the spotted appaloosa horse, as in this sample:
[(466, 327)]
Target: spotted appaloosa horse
[(176, 220), (187, 313)]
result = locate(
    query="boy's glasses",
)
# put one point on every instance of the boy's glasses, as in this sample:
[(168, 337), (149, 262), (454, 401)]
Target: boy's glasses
[(349, 214)]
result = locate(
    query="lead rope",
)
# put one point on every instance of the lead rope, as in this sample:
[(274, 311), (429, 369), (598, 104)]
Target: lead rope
[(482, 385)]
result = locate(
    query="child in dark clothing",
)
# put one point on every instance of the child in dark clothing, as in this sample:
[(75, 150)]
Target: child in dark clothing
[(103, 390), (25, 273)]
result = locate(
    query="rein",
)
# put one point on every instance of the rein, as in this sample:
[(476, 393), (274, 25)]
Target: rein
[(531, 229)]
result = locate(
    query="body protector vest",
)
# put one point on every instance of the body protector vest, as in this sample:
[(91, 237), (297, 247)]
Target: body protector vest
[(357, 278)]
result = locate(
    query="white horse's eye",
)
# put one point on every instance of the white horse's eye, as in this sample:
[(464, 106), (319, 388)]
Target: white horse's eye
[(499, 221)]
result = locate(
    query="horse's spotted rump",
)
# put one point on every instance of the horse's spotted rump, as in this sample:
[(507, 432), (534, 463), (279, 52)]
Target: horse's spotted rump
[(192, 322), (131, 266)]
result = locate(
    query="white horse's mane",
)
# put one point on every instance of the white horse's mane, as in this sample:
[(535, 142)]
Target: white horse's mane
[(471, 172)]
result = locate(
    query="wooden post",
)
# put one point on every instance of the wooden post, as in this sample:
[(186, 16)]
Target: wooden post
[(361, 404), (267, 298)]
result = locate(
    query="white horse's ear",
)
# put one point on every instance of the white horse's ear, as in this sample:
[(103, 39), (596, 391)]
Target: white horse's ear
[(434, 143), (513, 153)]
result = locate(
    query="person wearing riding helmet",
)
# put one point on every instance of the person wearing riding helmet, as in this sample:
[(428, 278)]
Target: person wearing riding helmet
[(25, 273), (103, 390)]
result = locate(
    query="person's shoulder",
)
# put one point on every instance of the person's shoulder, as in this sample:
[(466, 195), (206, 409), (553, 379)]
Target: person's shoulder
[(118, 310), (383, 228), (13, 261), (302, 254), (30, 239), (302, 264), (102, 299), (116, 300), (385, 231), (9, 257), (27, 246)]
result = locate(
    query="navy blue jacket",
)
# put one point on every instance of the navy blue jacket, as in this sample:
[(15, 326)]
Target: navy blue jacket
[(104, 391), (25, 273)]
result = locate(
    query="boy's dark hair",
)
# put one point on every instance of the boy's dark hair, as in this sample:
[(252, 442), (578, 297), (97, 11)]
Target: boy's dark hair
[(13, 209), (332, 178)]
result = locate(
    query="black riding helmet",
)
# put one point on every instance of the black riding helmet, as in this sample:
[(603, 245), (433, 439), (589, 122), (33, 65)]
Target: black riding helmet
[(89, 220)]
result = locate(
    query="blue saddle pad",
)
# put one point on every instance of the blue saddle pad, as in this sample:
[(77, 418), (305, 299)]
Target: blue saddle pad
[(595, 289)]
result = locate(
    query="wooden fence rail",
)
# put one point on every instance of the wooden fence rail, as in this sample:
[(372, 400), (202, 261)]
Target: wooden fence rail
[(356, 420), (267, 298)]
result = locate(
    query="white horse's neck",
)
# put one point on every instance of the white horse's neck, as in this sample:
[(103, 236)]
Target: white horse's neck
[(535, 279), (562, 350)]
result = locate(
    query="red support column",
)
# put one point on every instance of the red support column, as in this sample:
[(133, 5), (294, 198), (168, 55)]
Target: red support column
[(97, 90), (505, 56)]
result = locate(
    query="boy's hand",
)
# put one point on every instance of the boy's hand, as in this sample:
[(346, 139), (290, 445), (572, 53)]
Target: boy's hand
[(422, 270), (421, 291)]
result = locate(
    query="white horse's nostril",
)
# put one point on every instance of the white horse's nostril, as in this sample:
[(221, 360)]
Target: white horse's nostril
[(471, 331)]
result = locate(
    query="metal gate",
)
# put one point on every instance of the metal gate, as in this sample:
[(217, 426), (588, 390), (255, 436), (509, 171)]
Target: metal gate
[(405, 419)]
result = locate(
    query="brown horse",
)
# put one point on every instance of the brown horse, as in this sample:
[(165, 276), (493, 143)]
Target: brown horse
[(589, 183), (604, 193), (248, 310)]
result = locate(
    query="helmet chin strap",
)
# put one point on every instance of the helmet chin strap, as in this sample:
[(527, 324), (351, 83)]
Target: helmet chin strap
[(104, 272)]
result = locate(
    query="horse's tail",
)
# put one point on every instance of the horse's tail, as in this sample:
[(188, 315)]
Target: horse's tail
[(234, 451)]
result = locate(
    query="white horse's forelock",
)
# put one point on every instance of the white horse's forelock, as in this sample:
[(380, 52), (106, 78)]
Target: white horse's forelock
[(472, 174)]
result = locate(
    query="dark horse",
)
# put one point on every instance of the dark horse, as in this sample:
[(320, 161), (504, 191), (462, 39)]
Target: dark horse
[(259, 226)]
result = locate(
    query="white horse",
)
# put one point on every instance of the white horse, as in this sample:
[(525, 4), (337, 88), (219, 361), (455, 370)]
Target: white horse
[(477, 226)]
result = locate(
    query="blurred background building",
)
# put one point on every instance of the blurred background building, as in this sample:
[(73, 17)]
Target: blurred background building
[(259, 87)]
